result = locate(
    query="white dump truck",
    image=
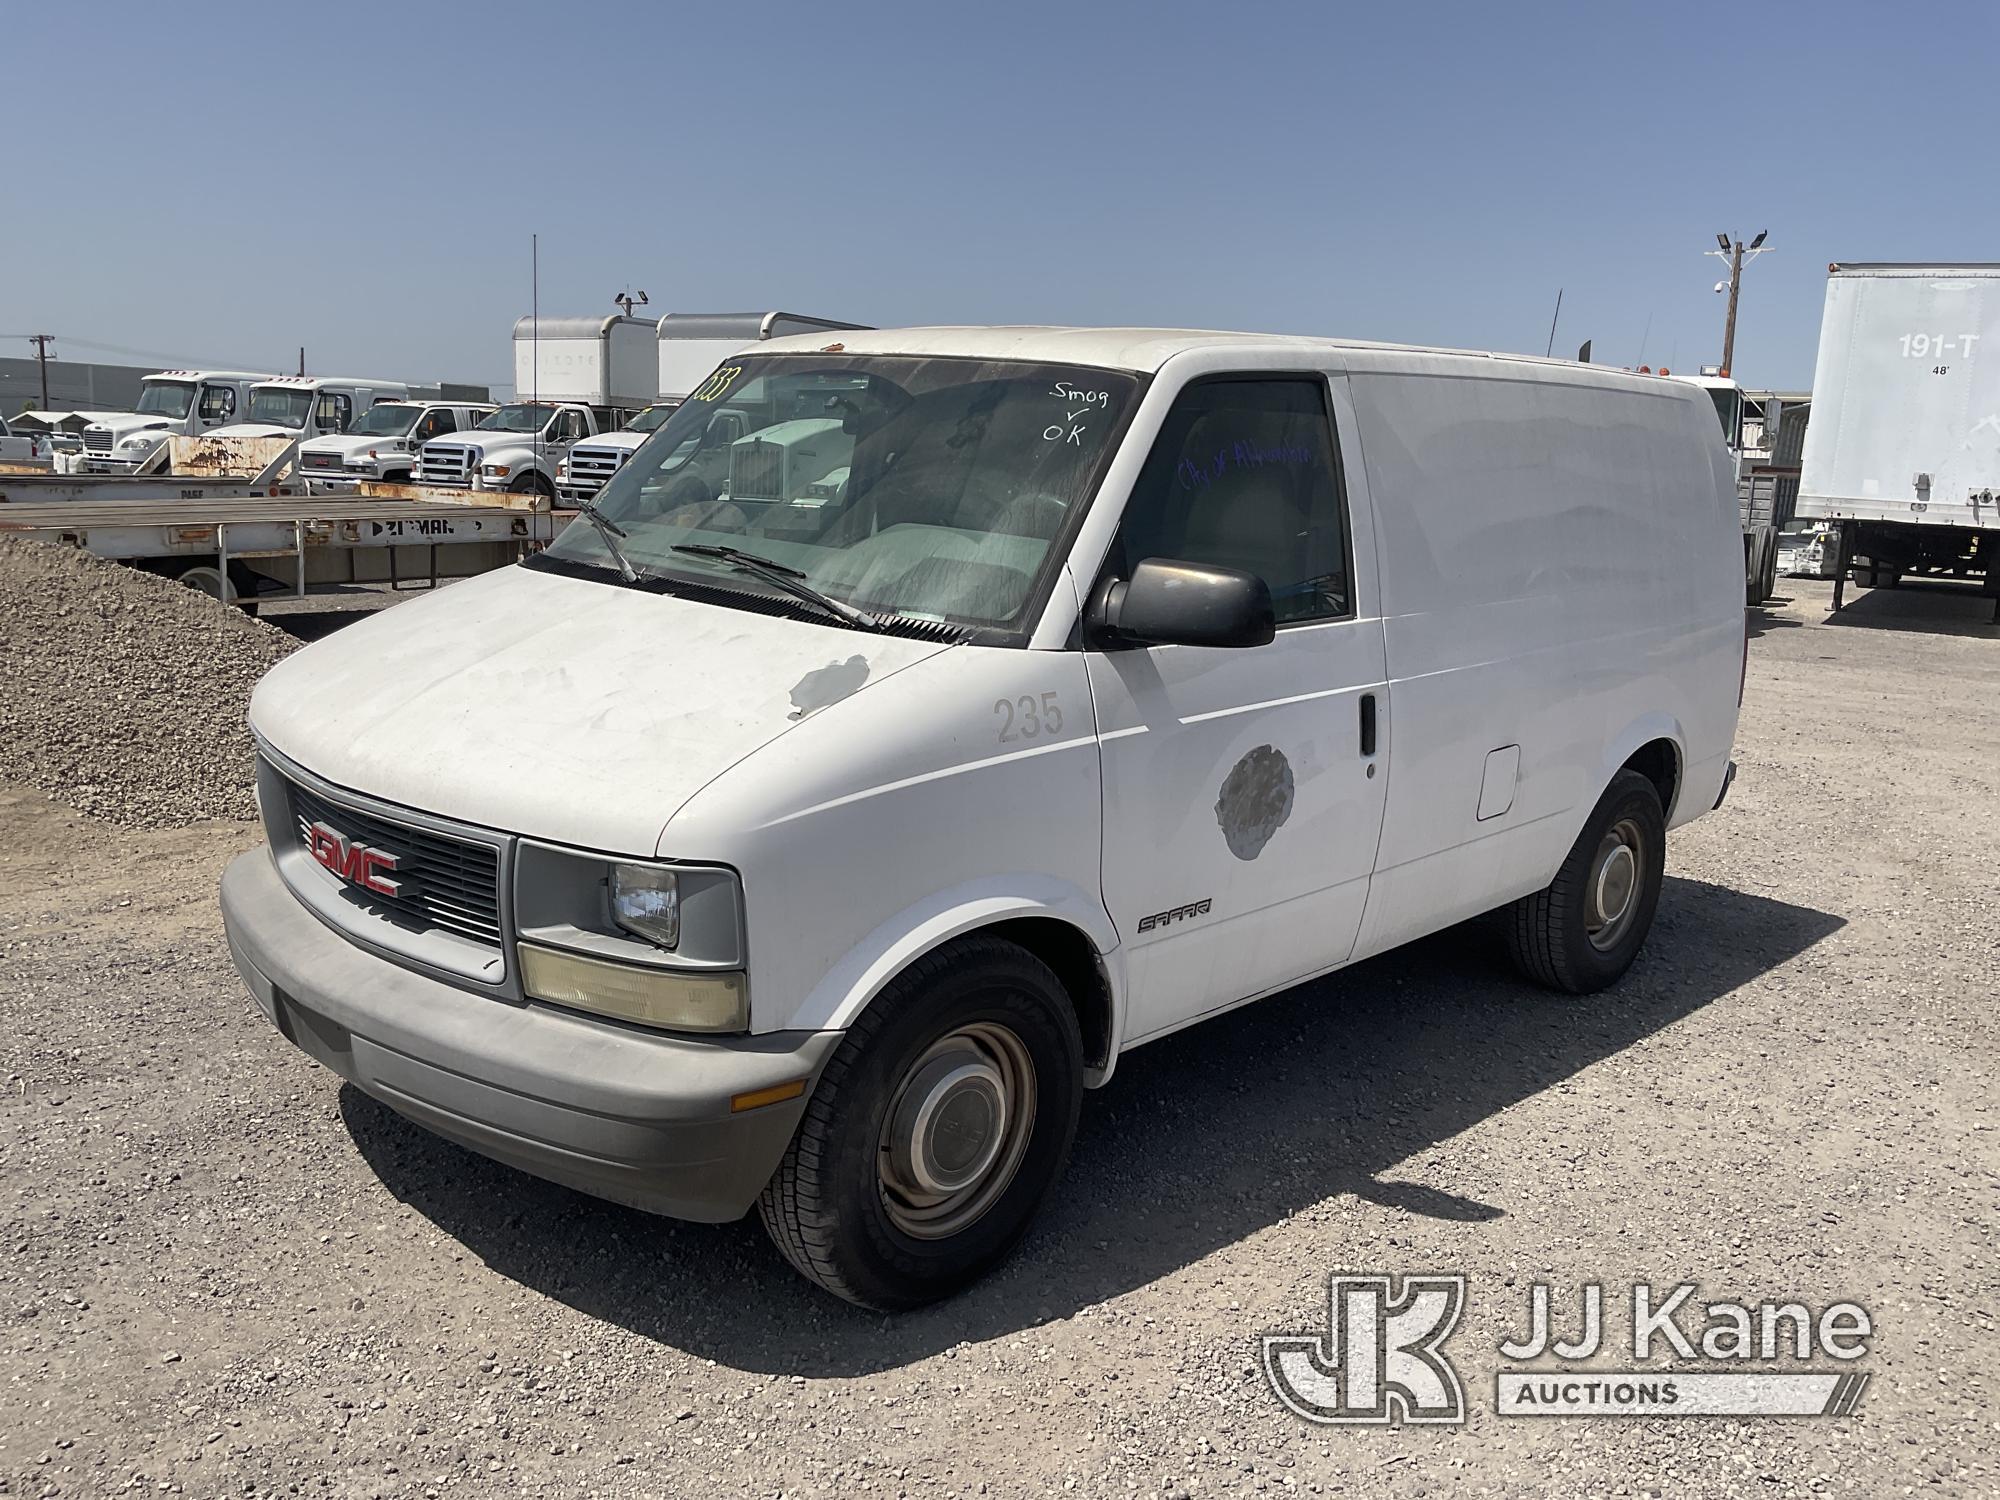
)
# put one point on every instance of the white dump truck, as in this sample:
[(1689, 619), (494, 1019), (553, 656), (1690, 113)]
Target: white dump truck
[(186, 403), (574, 378), (1751, 424), (691, 346), (1904, 448), (383, 443)]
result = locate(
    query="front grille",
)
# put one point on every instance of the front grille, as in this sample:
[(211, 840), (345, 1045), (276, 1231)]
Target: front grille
[(323, 461), (446, 884), (589, 468), (446, 464), (97, 439), (756, 471)]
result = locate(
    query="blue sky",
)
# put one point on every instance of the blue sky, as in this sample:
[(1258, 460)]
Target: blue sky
[(225, 183)]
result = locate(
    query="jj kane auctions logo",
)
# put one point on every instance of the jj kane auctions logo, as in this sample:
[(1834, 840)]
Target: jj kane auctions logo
[(1381, 1358)]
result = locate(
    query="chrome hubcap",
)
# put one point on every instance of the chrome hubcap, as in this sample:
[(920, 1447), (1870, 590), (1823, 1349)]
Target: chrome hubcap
[(956, 1130), (1613, 893)]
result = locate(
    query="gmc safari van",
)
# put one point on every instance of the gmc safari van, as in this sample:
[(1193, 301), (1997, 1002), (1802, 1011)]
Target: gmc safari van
[(947, 712)]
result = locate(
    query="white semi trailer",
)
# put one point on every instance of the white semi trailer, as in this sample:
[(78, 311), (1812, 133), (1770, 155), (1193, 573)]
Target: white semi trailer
[(1904, 448)]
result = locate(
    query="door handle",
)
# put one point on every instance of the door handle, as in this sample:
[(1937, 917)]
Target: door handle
[(1367, 724)]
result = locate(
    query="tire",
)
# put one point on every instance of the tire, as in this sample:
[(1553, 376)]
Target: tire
[(1768, 581), (837, 1207), (533, 483), (1562, 938)]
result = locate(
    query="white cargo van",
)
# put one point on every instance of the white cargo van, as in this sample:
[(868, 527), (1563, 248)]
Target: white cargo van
[(953, 711)]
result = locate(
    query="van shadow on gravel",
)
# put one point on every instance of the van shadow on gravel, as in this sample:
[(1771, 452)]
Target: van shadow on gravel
[(1199, 1141)]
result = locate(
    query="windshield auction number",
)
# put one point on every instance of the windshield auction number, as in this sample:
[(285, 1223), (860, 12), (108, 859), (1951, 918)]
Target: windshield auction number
[(718, 383)]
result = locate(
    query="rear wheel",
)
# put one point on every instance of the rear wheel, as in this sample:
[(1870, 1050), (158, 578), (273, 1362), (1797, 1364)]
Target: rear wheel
[(230, 588), (937, 1129), (1584, 930), (1767, 584)]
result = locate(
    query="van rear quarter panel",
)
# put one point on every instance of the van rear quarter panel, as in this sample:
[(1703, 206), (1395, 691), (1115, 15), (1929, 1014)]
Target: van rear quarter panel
[(1561, 569)]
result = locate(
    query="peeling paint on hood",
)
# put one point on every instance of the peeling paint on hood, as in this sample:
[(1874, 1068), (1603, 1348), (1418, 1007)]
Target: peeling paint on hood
[(561, 708)]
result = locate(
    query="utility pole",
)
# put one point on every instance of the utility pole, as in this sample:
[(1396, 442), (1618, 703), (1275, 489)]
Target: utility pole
[(1734, 254), (41, 341)]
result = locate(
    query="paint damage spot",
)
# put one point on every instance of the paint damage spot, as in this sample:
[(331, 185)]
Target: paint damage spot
[(827, 685), (1256, 799)]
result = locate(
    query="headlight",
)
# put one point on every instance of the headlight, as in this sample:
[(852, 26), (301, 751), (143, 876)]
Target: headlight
[(671, 998), (646, 902), (495, 471), (144, 440)]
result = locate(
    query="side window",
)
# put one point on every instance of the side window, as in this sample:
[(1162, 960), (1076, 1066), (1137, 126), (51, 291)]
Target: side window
[(336, 409), (433, 423), (218, 403), (570, 428), (1244, 474)]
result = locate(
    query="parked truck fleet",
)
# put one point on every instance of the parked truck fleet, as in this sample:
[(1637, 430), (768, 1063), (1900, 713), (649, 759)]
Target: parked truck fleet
[(691, 346)]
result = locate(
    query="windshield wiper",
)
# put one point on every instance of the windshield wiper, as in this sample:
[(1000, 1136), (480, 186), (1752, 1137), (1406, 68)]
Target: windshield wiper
[(608, 532), (778, 575)]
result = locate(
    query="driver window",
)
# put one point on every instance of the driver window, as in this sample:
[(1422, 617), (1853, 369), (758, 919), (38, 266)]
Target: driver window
[(1244, 474), (218, 403), (335, 410), (433, 424)]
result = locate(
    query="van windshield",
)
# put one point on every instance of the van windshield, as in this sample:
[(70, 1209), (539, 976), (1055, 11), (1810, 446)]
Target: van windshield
[(166, 398), (279, 406), (927, 488), (522, 417)]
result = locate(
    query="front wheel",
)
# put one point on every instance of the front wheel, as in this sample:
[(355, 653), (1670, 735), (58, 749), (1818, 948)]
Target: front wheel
[(937, 1129), (1582, 933)]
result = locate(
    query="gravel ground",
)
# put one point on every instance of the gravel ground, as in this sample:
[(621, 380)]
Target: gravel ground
[(223, 1273), (124, 693)]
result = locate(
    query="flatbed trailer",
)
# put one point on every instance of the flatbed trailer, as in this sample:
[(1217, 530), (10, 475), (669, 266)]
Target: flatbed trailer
[(241, 547)]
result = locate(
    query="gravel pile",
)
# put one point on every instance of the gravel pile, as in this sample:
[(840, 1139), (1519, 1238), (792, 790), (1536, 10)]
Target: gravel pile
[(124, 694)]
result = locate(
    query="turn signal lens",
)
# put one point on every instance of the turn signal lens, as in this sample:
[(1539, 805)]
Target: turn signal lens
[(672, 999)]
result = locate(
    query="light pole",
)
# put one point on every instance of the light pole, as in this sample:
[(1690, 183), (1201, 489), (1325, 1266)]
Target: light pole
[(1734, 254), (626, 300)]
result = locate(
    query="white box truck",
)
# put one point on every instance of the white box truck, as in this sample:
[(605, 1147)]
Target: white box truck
[(185, 403), (1105, 690), (574, 378), (309, 406), (1904, 447), (691, 346)]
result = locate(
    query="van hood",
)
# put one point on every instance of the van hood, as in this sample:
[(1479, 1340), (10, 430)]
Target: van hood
[(579, 712)]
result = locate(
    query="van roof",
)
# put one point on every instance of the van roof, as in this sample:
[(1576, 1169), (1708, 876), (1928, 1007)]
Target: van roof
[(1140, 349)]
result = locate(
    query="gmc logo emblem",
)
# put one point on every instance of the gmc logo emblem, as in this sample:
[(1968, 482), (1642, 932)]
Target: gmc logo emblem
[(355, 863)]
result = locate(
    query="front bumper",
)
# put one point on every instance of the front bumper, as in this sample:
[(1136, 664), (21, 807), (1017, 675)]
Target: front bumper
[(637, 1117)]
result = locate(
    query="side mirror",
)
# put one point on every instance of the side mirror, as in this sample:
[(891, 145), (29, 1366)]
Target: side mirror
[(1169, 603)]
